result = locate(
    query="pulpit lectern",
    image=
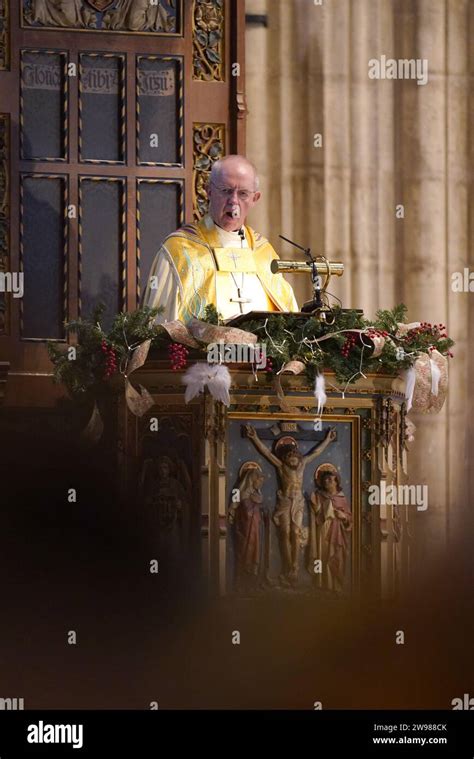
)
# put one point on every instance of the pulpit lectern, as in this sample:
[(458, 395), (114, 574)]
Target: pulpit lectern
[(265, 494)]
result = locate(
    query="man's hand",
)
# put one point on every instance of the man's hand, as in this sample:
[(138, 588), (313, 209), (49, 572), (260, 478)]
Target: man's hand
[(341, 515), (250, 431), (331, 434)]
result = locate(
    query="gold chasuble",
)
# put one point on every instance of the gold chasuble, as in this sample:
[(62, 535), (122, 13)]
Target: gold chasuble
[(197, 266)]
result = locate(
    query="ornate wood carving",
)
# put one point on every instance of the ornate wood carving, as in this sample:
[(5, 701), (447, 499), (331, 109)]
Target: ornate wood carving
[(4, 36), (99, 15), (208, 146), (208, 40), (4, 210), (214, 420), (4, 369)]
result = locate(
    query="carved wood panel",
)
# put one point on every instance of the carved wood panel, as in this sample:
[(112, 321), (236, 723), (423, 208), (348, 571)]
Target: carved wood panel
[(128, 103)]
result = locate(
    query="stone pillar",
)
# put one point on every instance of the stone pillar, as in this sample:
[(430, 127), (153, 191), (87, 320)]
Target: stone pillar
[(385, 143), (460, 254)]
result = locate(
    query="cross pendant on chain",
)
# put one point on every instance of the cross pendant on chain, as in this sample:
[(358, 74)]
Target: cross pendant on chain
[(240, 299), (234, 256)]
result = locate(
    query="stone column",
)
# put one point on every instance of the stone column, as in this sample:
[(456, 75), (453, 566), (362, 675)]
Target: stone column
[(385, 143)]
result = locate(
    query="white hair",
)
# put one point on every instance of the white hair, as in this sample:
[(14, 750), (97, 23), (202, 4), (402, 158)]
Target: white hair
[(217, 167)]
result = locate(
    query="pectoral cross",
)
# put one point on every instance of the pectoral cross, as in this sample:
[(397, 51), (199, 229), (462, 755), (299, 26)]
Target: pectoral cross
[(234, 256), (240, 299)]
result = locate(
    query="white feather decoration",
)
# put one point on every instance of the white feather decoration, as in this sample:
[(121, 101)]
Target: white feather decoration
[(435, 377), (213, 376), (195, 381), (410, 379), (320, 392), (219, 383)]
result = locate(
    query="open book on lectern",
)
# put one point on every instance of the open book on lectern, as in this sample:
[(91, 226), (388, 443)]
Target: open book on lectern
[(236, 321)]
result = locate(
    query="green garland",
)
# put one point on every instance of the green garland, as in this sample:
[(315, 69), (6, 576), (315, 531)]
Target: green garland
[(288, 338), (99, 354)]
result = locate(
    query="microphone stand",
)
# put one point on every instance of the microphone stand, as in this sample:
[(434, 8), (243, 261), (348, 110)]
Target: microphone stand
[(316, 304)]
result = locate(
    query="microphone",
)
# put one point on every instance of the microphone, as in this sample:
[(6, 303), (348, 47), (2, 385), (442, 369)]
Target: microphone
[(333, 268), (242, 236)]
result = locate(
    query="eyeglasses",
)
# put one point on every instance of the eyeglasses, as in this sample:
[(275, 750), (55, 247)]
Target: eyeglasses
[(228, 192)]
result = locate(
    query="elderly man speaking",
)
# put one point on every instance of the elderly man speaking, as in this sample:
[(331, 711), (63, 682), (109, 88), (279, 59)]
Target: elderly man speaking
[(220, 260)]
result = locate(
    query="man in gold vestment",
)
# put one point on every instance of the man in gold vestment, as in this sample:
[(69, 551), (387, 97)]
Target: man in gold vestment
[(220, 260)]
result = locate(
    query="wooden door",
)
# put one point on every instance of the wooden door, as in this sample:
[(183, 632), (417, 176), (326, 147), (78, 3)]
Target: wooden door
[(111, 114)]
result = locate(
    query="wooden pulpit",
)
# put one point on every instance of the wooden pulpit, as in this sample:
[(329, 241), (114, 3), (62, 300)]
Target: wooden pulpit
[(265, 495)]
